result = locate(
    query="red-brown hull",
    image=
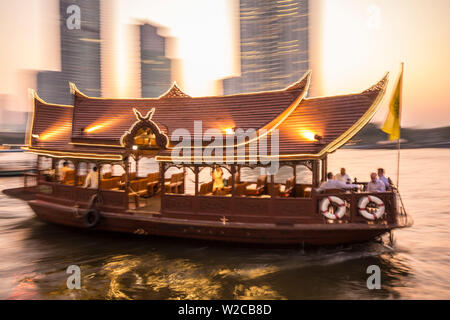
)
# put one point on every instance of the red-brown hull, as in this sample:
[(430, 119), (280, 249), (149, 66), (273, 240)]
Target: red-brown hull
[(313, 234)]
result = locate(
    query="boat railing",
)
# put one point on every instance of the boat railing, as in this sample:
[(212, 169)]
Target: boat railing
[(111, 200), (240, 209), (352, 200)]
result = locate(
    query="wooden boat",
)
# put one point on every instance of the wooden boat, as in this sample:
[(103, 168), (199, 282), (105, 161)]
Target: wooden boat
[(176, 200)]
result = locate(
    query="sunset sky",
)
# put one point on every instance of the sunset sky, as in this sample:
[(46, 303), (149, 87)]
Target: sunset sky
[(353, 43)]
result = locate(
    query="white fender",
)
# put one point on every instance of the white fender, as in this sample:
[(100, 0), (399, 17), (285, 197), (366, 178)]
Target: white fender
[(362, 207), (325, 204)]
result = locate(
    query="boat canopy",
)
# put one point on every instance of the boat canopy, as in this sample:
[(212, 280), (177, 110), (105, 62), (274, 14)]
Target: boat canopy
[(101, 128)]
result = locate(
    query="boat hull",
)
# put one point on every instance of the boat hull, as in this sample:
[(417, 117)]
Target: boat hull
[(257, 233)]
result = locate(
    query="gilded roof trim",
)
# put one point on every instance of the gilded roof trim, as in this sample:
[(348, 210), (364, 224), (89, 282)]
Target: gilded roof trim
[(74, 155), (33, 98)]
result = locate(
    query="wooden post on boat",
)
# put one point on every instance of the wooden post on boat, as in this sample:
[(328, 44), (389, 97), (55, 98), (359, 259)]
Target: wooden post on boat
[(233, 180), (76, 164), (196, 171), (162, 174), (99, 178), (136, 161), (272, 186), (126, 165), (324, 169), (55, 165), (315, 173), (294, 167)]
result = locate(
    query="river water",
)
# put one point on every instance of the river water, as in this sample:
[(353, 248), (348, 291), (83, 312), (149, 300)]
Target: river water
[(35, 255)]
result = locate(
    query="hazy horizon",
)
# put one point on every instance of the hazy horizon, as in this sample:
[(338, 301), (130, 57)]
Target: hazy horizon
[(353, 44)]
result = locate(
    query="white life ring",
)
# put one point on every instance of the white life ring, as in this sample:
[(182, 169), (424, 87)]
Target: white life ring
[(325, 204), (362, 207)]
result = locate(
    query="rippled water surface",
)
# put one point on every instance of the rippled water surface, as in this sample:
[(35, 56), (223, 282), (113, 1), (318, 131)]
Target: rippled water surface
[(35, 255)]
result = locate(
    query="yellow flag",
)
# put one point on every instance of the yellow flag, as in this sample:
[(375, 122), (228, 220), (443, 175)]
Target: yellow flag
[(392, 123)]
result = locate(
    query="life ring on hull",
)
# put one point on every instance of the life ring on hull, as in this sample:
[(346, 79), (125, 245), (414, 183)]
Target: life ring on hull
[(91, 218), (325, 204), (362, 207)]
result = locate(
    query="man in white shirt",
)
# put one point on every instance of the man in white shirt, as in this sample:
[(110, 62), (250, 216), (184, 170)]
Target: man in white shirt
[(343, 177), (335, 184), (383, 178), (375, 185), (92, 179)]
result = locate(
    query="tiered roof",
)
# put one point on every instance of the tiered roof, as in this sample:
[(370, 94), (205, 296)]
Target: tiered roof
[(93, 127)]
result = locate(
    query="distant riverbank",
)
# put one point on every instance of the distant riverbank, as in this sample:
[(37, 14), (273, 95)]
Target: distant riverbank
[(393, 146), (371, 137), (12, 137)]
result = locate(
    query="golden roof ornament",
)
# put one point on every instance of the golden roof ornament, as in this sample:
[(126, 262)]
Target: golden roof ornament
[(174, 92)]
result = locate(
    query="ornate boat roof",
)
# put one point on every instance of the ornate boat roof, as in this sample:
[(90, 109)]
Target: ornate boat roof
[(93, 127)]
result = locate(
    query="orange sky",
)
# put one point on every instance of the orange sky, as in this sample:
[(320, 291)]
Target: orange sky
[(353, 43)]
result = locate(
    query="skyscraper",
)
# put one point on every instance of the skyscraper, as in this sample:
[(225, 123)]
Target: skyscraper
[(274, 45), (80, 54), (155, 66)]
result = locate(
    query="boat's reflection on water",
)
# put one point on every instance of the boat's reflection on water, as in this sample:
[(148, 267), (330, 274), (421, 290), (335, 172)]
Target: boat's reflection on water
[(130, 267)]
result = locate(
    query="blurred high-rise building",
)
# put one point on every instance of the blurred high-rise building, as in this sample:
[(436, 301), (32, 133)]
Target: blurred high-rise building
[(274, 45), (156, 73), (80, 54), (11, 119)]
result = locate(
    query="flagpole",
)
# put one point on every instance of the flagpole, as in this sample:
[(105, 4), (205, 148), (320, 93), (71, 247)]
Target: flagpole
[(400, 116), (398, 162)]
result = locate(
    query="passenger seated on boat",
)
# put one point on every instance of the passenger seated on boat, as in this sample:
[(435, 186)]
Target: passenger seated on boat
[(92, 179), (387, 181), (63, 170), (331, 183), (343, 176), (375, 185), (217, 177), (69, 177), (256, 189)]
